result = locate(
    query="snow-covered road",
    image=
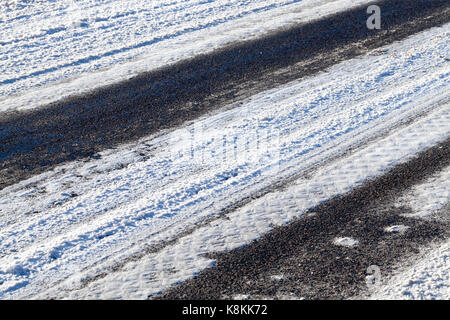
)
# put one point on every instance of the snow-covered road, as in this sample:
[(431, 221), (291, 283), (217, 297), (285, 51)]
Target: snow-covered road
[(53, 49), (66, 226)]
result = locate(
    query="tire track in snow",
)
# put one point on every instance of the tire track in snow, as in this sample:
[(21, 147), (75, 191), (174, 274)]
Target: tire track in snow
[(36, 141), (182, 260), (304, 260), (127, 200), (387, 100)]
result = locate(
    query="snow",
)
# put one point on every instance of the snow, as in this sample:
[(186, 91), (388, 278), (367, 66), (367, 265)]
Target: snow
[(397, 229), (183, 260), (428, 275), (277, 277), (69, 225), (346, 242), (426, 199), (52, 49), (427, 279)]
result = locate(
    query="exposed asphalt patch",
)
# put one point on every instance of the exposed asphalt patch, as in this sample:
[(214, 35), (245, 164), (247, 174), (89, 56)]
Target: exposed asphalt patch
[(35, 141), (302, 259)]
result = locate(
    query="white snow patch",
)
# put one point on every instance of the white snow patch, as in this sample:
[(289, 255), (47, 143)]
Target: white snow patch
[(346, 242), (401, 229), (277, 277)]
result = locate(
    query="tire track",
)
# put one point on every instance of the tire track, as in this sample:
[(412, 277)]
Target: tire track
[(35, 141), (299, 260)]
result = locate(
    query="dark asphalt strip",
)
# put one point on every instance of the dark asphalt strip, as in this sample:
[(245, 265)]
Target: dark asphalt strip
[(34, 141), (303, 252)]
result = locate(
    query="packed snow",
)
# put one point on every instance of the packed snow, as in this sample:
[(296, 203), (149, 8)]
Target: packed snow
[(52, 49), (64, 228)]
